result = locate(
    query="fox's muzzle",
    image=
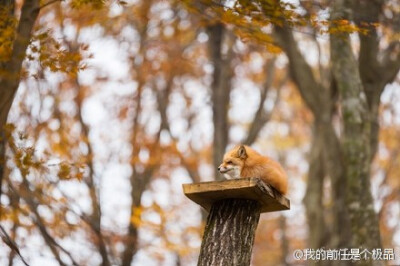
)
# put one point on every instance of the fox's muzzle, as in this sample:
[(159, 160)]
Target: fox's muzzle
[(223, 170)]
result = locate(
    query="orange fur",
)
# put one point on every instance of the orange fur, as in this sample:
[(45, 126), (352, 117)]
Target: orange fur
[(243, 161)]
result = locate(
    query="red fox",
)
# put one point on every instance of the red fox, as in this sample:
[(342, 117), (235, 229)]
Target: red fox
[(243, 161)]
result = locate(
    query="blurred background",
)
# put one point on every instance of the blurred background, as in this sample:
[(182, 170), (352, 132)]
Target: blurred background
[(121, 102)]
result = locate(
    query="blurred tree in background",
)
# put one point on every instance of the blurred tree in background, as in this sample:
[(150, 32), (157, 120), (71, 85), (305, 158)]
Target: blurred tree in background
[(117, 103)]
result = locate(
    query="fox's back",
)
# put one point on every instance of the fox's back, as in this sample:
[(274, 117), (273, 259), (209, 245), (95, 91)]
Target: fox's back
[(257, 165)]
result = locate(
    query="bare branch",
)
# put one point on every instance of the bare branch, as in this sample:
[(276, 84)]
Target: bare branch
[(26, 195), (11, 244), (300, 71), (95, 217), (262, 116), (162, 100)]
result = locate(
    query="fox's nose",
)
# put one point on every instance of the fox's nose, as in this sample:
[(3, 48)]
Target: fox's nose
[(219, 168)]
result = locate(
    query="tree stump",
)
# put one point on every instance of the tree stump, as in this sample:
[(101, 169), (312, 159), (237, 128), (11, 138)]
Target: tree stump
[(234, 210)]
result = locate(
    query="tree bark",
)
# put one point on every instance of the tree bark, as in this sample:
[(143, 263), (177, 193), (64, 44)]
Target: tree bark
[(229, 234)]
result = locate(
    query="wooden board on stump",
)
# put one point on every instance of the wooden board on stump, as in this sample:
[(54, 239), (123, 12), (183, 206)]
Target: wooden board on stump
[(206, 193), (234, 208)]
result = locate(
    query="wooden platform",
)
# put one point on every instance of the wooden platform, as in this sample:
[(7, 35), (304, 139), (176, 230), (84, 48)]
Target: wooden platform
[(206, 193)]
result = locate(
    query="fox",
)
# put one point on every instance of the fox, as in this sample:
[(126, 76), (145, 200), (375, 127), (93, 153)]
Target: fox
[(242, 162)]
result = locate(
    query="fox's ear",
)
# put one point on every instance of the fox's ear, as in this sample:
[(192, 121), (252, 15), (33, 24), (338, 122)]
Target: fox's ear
[(241, 153)]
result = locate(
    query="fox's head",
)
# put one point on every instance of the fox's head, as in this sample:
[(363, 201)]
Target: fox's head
[(233, 162)]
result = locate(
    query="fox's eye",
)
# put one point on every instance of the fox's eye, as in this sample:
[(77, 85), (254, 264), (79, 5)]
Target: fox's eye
[(229, 162)]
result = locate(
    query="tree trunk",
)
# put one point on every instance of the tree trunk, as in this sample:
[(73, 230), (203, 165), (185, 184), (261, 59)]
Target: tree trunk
[(229, 234), (284, 241), (313, 199), (220, 91), (325, 157), (364, 225), (11, 69), (346, 157), (131, 241)]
